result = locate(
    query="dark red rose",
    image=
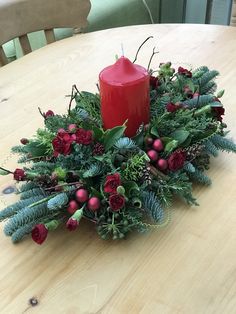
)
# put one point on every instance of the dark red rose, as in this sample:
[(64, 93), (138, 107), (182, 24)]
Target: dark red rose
[(116, 201), (184, 72), (19, 175), (170, 107), (176, 160), (154, 82), (39, 233), (62, 143), (49, 113), (218, 112), (98, 149), (72, 224), (84, 137), (111, 183)]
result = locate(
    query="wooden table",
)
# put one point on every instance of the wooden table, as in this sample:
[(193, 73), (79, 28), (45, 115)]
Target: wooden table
[(190, 266)]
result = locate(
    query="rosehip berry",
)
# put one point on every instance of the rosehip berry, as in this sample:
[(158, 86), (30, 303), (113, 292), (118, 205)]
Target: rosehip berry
[(158, 145), (24, 141), (93, 203), (72, 128), (152, 154), (149, 141), (72, 208), (196, 95), (162, 164), (81, 195)]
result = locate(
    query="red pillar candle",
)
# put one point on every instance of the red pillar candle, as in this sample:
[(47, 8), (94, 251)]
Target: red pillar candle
[(124, 90)]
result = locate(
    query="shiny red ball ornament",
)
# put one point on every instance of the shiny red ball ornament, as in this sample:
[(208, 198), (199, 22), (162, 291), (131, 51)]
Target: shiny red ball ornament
[(81, 195), (72, 207), (158, 145), (162, 164), (94, 203), (152, 154)]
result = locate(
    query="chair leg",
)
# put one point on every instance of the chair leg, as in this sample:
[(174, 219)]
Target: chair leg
[(25, 44), (50, 37), (3, 58)]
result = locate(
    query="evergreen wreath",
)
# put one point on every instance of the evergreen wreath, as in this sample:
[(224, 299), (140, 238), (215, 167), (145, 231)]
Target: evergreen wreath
[(76, 170)]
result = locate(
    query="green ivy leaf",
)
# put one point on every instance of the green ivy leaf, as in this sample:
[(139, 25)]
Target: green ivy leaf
[(139, 138), (154, 131), (95, 192), (112, 135), (180, 135), (98, 133), (4, 172), (171, 145)]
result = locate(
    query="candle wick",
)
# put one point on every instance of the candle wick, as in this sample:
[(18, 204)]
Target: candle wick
[(122, 50)]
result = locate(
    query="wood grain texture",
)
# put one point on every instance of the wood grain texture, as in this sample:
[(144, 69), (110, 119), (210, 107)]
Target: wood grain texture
[(188, 267)]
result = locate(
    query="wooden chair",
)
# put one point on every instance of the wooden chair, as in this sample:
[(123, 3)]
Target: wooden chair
[(19, 17), (233, 15)]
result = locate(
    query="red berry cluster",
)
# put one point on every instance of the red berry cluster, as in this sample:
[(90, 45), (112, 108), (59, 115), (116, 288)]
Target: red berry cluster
[(155, 147), (82, 196)]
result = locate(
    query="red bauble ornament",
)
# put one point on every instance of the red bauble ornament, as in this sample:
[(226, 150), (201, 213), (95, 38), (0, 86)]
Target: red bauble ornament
[(158, 145), (81, 195), (152, 154), (162, 164), (94, 203), (73, 206)]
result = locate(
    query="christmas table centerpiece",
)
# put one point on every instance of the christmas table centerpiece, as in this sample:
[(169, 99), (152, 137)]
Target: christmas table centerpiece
[(117, 158)]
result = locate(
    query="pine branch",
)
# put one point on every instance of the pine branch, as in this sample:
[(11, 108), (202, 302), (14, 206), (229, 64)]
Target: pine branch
[(189, 167), (57, 202), (18, 235), (25, 216), (207, 77), (211, 148), (209, 88), (200, 177), (223, 143), (20, 149), (152, 205), (200, 101), (28, 186), (17, 207), (33, 193)]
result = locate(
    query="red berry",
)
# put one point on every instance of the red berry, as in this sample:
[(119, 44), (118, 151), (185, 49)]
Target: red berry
[(24, 141), (93, 203), (152, 154), (158, 145), (81, 195), (162, 164), (196, 95), (149, 141), (72, 208), (72, 128)]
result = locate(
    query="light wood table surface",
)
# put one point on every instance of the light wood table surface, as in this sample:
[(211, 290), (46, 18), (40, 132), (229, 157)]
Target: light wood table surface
[(188, 267)]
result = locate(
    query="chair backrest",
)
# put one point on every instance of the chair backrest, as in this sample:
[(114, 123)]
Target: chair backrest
[(19, 17), (233, 15)]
